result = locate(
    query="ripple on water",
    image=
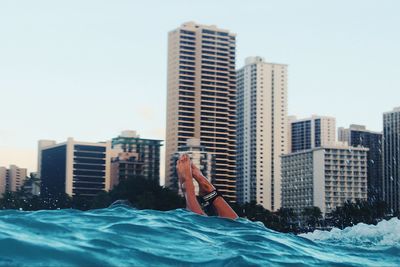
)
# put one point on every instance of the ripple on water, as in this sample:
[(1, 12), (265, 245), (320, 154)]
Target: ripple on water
[(123, 236)]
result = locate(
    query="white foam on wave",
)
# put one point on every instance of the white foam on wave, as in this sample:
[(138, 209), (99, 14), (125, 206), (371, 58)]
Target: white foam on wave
[(385, 233)]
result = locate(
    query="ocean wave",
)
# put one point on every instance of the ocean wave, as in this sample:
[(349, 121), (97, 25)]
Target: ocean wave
[(385, 233), (123, 236)]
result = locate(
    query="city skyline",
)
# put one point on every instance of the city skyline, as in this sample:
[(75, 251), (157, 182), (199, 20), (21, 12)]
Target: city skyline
[(70, 65)]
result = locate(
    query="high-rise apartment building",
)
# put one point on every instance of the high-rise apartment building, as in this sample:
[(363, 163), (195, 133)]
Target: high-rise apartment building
[(135, 156), (125, 165), (311, 132), (197, 153), (359, 136), (261, 131), (391, 159), (12, 179), (201, 98), (324, 177), (16, 177), (75, 168)]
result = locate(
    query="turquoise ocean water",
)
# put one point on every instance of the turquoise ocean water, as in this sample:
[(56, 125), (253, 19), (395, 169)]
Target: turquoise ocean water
[(123, 236)]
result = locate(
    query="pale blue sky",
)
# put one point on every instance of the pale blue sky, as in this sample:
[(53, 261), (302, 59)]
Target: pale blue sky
[(90, 69)]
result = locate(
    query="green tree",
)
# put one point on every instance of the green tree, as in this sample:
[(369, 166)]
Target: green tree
[(312, 216), (146, 194), (282, 220), (11, 200), (361, 211), (101, 200)]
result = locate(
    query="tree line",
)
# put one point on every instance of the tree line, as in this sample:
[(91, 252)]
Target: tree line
[(143, 193)]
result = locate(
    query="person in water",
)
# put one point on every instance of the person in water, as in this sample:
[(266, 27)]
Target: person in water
[(186, 171)]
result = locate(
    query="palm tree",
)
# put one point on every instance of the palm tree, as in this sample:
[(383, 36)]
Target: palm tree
[(311, 216)]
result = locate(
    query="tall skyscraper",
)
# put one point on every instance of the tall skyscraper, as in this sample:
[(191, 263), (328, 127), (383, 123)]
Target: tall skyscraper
[(359, 136), (201, 98), (261, 131), (311, 132), (325, 177), (74, 168), (135, 156), (391, 158)]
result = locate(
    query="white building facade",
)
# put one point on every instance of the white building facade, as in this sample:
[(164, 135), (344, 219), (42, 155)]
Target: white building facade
[(12, 179), (324, 177), (261, 131), (359, 136)]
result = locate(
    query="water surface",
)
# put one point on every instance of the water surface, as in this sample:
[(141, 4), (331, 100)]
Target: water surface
[(123, 236)]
